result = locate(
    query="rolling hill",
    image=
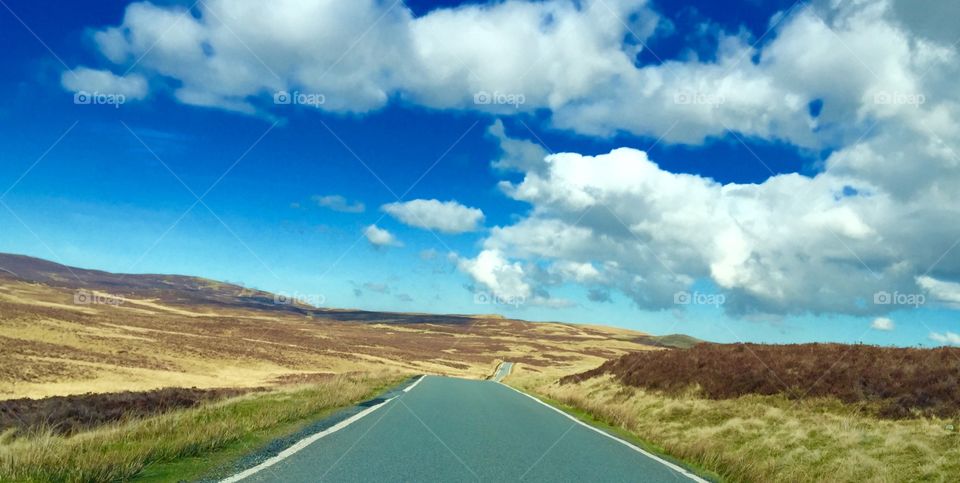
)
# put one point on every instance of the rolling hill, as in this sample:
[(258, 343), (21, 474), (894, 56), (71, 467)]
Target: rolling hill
[(66, 330)]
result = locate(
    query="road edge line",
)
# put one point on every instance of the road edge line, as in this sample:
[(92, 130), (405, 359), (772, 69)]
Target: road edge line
[(673, 466), (410, 387), (303, 443), (307, 441)]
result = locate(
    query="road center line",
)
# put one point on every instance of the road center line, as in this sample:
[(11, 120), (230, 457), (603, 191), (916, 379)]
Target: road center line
[(630, 445)]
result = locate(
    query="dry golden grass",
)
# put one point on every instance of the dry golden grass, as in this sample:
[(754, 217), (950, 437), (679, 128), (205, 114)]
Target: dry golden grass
[(121, 451), (766, 438), (52, 346)]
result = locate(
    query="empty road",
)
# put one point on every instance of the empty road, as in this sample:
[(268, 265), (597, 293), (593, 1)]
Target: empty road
[(447, 429), (503, 371)]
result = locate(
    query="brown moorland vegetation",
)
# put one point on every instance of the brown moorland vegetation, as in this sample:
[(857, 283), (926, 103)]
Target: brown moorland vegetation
[(170, 331), (892, 382), (67, 331), (68, 415)]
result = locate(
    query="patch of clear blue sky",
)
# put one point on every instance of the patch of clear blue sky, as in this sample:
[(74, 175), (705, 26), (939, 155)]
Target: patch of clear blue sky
[(100, 199)]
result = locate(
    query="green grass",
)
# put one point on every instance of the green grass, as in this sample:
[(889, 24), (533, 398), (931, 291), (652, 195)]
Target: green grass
[(182, 444), (218, 464)]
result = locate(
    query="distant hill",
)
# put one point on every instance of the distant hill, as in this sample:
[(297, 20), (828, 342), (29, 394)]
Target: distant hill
[(143, 332), (194, 292), (187, 291), (676, 341), (169, 288)]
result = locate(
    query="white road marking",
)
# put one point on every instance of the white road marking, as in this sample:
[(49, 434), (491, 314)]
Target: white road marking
[(628, 444), (303, 443), (410, 387)]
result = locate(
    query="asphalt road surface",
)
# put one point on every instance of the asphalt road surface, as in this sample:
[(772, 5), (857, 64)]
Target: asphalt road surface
[(503, 371), (449, 430)]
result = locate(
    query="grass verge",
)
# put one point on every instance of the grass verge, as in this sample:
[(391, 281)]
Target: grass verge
[(181, 444), (768, 438), (625, 435)]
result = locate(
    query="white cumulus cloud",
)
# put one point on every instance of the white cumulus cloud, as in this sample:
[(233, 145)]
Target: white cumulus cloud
[(575, 59), (339, 203), (505, 282), (792, 244), (882, 323), (442, 216), (380, 237), (879, 217), (946, 338), (948, 292), (504, 279), (132, 86)]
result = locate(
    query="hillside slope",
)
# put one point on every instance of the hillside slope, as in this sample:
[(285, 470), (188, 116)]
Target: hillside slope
[(187, 291), (891, 381), (164, 330)]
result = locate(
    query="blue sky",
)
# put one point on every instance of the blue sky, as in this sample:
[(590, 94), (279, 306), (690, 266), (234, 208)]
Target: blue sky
[(115, 187)]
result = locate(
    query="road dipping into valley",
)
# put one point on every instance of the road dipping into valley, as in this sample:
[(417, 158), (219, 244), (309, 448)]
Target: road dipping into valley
[(502, 371), (448, 429)]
